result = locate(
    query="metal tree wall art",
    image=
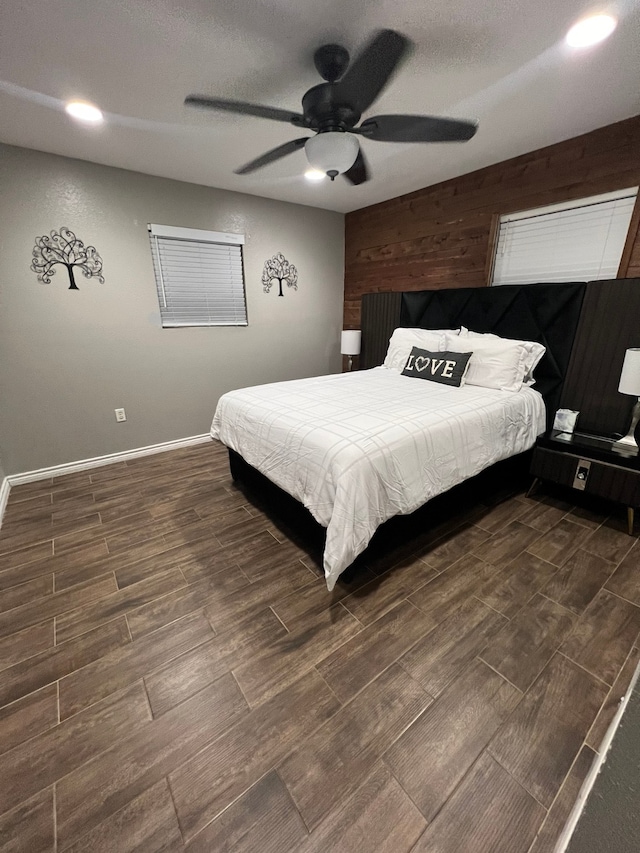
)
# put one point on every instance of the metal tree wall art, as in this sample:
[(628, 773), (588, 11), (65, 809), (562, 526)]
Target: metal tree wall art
[(63, 247), (278, 269)]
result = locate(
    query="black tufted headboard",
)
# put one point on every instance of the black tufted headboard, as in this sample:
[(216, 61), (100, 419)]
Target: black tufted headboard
[(547, 313)]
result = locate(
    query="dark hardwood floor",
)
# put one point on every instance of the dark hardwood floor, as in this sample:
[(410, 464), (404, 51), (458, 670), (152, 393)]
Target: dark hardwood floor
[(175, 676)]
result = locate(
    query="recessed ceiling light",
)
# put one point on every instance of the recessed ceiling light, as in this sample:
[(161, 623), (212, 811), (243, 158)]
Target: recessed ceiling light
[(83, 111), (314, 175), (591, 30)]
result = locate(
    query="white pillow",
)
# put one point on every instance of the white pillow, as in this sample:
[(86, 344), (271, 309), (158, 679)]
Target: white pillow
[(495, 363), (403, 340), (534, 351)]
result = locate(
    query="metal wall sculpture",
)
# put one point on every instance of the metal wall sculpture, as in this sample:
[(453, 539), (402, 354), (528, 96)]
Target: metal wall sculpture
[(278, 269), (63, 247)]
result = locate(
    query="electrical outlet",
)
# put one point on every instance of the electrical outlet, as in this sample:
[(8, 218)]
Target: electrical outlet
[(120, 415)]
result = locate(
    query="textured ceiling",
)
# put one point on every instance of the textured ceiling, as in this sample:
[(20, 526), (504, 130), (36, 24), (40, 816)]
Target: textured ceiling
[(502, 62)]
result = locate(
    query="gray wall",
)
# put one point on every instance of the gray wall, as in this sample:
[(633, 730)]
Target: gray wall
[(68, 358)]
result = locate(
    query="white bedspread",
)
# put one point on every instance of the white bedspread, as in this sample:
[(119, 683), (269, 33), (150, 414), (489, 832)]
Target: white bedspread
[(358, 448)]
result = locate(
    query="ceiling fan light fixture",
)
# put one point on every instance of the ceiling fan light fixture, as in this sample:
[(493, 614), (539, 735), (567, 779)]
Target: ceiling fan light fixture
[(332, 152), (591, 30), (314, 175)]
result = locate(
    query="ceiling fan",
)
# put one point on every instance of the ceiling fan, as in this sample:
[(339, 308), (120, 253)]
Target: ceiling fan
[(333, 109)]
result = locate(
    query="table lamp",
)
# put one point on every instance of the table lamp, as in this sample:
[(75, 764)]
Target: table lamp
[(350, 344), (630, 384)]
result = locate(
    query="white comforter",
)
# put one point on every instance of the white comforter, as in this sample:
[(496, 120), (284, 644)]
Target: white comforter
[(358, 448)]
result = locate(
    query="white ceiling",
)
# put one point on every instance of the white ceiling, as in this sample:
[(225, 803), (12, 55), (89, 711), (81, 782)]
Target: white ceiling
[(502, 62)]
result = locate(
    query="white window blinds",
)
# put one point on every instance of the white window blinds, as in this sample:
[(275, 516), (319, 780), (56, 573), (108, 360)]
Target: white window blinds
[(581, 240), (199, 276)]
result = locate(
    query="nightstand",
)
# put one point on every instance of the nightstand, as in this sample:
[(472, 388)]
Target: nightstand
[(590, 464)]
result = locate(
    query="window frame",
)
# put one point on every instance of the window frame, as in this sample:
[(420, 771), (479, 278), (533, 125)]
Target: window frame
[(498, 220), (172, 233)]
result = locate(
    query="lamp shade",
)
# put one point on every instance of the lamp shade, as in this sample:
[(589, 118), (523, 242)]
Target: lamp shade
[(350, 342), (332, 152), (630, 376)]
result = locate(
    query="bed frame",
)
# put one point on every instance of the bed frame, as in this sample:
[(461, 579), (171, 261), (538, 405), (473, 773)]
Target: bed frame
[(585, 328)]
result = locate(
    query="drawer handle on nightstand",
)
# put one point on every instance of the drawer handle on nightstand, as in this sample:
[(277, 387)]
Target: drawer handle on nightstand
[(582, 474)]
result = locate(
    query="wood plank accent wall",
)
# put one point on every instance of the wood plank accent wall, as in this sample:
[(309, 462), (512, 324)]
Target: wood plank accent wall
[(609, 324), (443, 236)]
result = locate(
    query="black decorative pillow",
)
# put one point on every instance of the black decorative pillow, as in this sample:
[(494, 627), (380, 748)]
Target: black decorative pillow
[(446, 367)]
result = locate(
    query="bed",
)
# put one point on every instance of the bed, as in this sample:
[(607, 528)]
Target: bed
[(358, 448), (579, 369)]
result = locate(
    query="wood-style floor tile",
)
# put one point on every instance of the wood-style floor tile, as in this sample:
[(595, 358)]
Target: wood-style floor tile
[(505, 545), (494, 518), (543, 512), (456, 544), (261, 565), (180, 678), (443, 653), (310, 600), (611, 540), (101, 787), (213, 779), (82, 619), (85, 563), (28, 717), (40, 761), (577, 583), (375, 598), (263, 820), (515, 584), (372, 650), (333, 762), (625, 581), (447, 592), (27, 554), (564, 803), (603, 635), (55, 662), (29, 827), (52, 605), (148, 824), (287, 657), (122, 666), (434, 753), (25, 644), (378, 818), (169, 608), (560, 542), (541, 739), (523, 647), (223, 609), (489, 812)]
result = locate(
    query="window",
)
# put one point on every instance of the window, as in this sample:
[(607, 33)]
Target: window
[(581, 240), (199, 276)]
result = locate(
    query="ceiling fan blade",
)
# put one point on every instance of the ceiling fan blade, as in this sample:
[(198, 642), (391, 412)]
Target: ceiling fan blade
[(272, 156), (242, 108), (359, 172), (403, 128), (368, 74)]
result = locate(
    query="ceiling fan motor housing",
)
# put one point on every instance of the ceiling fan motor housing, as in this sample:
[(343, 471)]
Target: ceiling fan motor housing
[(323, 110)]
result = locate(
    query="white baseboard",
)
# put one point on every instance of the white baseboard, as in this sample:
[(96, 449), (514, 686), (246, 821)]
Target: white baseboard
[(596, 767), (98, 461), (4, 496)]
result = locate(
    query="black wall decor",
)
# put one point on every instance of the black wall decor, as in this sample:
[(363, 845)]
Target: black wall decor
[(63, 247), (278, 269)]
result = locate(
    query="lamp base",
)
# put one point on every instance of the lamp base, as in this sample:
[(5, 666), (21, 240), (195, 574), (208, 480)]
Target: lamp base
[(630, 440)]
